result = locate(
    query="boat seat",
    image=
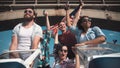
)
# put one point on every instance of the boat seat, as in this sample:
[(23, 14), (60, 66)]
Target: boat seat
[(11, 65), (105, 62)]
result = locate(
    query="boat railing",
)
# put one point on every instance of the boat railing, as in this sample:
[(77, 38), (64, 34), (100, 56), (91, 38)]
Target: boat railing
[(31, 56)]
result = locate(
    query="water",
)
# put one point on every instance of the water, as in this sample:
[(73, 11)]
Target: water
[(112, 35), (5, 40)]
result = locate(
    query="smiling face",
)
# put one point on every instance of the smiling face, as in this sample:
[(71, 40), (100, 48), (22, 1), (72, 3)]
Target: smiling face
[(62, 26), (63, 53)]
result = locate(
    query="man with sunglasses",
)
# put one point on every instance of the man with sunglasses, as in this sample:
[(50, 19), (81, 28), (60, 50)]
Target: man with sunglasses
[(26, 35)]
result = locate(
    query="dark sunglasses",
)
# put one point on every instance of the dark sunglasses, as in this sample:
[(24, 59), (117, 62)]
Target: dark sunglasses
[(64, 51), (29, 11), (85, 20)]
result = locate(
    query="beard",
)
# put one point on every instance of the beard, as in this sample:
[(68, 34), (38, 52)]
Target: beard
[(28, 18)]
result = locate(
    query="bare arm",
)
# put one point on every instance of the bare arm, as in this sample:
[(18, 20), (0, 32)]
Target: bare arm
[(35, 42), (93, 42), (68, 22), (77, 59), (56, 38), (13, 46), (68, 17), (77, 65), (76, 18), (97, 40), (45, 13), (77, 15), (14, 43)]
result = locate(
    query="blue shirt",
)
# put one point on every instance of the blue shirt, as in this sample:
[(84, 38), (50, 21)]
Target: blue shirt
[(92, 33)]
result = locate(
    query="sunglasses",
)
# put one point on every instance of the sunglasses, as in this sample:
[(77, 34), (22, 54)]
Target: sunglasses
[(29, 11), (64, 51), (85, 20)]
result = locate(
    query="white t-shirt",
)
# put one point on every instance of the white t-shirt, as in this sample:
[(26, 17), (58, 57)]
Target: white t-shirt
[(25, 38)]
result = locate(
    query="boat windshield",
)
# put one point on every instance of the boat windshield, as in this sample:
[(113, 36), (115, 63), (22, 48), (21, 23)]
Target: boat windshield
[(22, 54), (87, 53)]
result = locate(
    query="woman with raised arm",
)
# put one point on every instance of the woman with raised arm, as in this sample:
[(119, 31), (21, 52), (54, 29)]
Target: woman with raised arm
[(81, 27), (84, 33), (62, 60), (67, 37), (44, 60)]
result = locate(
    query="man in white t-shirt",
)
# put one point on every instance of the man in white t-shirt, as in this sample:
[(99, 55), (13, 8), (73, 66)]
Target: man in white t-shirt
[(26, 35)]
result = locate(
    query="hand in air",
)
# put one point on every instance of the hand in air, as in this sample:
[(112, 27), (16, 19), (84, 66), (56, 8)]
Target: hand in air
[(45, 12)]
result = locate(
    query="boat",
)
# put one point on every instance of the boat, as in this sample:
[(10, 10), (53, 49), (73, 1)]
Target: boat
[(106, 20), (105, 61), (105, 56), (7, 62)]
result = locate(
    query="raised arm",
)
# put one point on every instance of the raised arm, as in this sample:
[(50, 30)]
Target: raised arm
[(68, 15), (77, 15), (45, 13)]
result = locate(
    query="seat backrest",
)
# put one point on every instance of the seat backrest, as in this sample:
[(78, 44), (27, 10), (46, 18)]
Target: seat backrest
[(105, 62), (11, 65)]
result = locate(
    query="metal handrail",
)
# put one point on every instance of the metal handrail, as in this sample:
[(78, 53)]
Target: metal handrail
[(55, 1), (50, 5)]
